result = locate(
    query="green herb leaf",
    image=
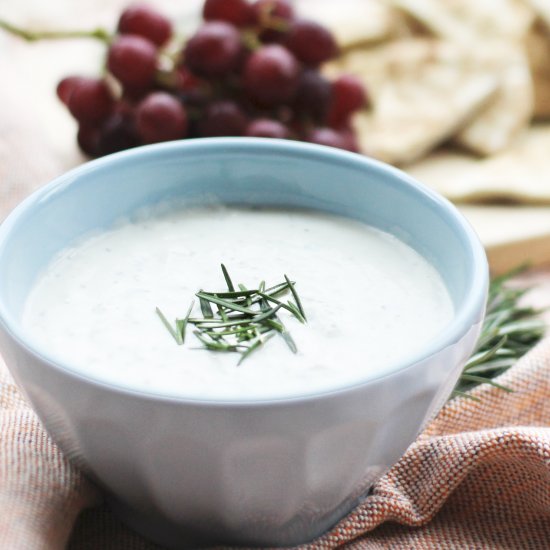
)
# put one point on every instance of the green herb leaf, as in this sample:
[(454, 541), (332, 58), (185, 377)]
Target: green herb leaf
[(181, 324), (206, 308), (175, 334), (296, 297), (227, 278)]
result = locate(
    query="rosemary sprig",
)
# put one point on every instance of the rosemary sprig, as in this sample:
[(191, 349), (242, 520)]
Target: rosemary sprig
[(244, 321), (509, 331)]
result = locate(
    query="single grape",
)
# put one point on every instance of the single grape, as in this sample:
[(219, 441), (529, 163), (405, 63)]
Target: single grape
[(266, 9), (133, 61), (214, 50), (313, 95), (90, 101), (348, 96), (160, 117), (273, 17), (223, 118), (236, 12), (88, 140), (310, 42), (350, 139), (270, 75), (66, 86), (118, 132), (328, 137), (267, 128), (145, 21)]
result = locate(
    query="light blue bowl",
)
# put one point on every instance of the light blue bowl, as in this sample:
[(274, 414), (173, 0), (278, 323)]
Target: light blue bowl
[(191, 472)]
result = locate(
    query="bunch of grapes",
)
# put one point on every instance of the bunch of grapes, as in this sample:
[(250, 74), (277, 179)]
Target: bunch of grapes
[(251, 69)]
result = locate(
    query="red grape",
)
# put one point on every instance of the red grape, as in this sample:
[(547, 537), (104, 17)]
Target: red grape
[(271, 75), (350, 139), (214, 50), (313, 95), (133, 60), (186, 80), (329, 137), (264, 9), (160, 117), (310, 42), (237, 12), (267, 128), (273, 17), (223, 118), (66, 86), (145, 21), (118, 132), (348, 96), (90, 101), (88, 140)]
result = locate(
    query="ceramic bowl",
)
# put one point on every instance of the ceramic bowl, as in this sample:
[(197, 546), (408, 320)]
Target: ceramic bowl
[(190, 472)]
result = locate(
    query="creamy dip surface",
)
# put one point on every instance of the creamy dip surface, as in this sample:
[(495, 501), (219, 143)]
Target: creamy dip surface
[(371, 302)]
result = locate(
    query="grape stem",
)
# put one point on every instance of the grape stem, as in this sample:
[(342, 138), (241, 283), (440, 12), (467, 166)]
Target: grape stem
[(32, 36)]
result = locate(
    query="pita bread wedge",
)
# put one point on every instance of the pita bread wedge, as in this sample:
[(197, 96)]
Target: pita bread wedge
[(521, 174), (423, 92), (471, 20), (498, 125)]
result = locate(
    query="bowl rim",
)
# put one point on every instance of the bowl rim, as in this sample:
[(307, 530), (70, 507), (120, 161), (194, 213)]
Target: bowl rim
[(468, 314)]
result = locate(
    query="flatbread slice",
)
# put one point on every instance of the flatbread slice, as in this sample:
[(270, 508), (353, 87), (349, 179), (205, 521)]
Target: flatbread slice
[(520, 174), (498, 125), (423, 92)]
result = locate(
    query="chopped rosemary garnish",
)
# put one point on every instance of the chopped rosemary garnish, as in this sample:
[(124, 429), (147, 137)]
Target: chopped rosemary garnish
[(509, 331), (244, 320)]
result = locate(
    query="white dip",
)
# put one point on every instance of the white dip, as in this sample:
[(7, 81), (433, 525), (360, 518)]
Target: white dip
[(371, 302)]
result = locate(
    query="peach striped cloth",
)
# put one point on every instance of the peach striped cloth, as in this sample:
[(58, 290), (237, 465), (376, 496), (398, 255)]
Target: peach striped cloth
[(478, 477)]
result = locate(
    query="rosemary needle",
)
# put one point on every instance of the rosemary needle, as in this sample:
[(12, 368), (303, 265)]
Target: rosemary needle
[(169, 327), (296, 297), (227, 278), (181, 324), (206, 308)]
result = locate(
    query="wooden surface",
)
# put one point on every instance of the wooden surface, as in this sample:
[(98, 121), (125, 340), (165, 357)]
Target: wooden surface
[(512, 235)]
